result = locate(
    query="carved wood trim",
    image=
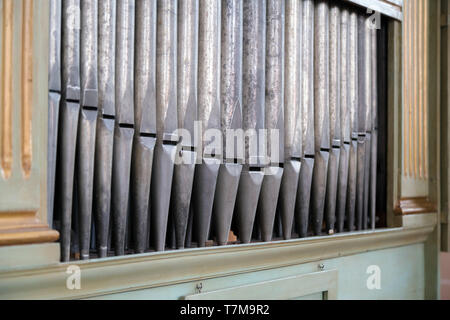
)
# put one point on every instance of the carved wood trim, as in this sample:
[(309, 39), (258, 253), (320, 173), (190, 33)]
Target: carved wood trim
[(6, 156), (418, 205), (415, 89), (24, 228), (27, 85), (20, 221)]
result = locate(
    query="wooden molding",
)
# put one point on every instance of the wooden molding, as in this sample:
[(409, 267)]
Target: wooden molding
[(415, 89), (24, 228), (27, 85), (418, 205), (6, 154), (151, 270)]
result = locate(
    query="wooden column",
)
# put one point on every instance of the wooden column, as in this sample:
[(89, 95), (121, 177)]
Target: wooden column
[(23, 122), (414, 192)]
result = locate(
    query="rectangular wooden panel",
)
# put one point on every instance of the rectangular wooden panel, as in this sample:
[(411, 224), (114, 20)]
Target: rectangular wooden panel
[(280, 289)]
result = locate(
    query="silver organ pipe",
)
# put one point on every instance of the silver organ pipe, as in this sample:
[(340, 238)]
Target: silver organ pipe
[(231, 119), (68, 120), (207, 171), (302, 206), (124, 125), (292, 114), (183, 176), (166, 120), (253, 99), (87, 126)]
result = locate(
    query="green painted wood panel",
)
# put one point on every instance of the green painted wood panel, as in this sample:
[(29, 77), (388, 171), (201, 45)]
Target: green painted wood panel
[(402, 277)]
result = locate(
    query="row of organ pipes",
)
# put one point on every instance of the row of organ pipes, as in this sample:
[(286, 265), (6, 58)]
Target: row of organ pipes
[(124, 75)]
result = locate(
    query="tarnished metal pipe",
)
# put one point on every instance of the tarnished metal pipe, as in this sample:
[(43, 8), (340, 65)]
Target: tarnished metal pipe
[(206, 173), (231, 119), (124, 128), (68, 122), (374, 149), (54, 99), (253, 97), (345, 121), (187, 113), (166, 119), (105, 123), (353, 105), (335, 117), (321, 113), (87, 125), (274, 118), (145, 121), (362, 136), (369, 124), (292, 114), (307, 105)]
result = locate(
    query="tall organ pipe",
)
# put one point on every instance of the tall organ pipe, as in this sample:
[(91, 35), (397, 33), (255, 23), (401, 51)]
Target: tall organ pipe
[(187, 114), (368, 113), (54, 99), (321, 113), (105, 123), (231, 119), (253, 96), (206, 173), (87, 125), (124, 126), (274, 118), (362, 137), (353, 103), (68, 120), (307, 105), (292, 114), (166, 120), (335, 115), (345, 121), (373, 163), (145, 121)]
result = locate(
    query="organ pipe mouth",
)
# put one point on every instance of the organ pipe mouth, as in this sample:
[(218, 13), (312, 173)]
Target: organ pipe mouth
[(256, 169), (148, 135), (126, 125), (72, 101), (90, 108), (170, 143), (233, 161)]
